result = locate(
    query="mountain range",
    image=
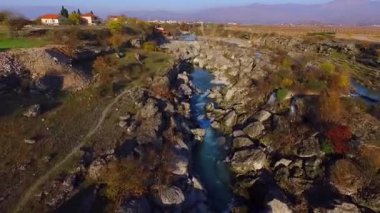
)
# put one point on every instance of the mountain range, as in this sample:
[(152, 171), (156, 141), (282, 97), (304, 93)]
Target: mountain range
[(345, 12)]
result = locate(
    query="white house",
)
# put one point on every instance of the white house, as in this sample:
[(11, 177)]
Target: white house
[(50, 19), (90, 18)]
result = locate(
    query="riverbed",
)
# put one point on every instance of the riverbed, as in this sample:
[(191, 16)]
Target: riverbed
[(209, 164)]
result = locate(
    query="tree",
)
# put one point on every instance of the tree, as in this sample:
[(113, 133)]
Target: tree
[(4, 16), (64, 12), (78, 11), (116, 26), (75, 18), (116, 40)]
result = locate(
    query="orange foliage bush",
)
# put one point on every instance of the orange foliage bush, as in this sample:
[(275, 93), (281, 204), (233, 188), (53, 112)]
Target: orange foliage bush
[(125, 178), (101, 67), (339, 136), (340, 82), (161, 88), (330, 107), (117, 40)]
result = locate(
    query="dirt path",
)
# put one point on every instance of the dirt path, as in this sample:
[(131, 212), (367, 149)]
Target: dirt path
[(32, 189)]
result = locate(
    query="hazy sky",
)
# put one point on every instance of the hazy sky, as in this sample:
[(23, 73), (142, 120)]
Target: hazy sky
[(146, 4)]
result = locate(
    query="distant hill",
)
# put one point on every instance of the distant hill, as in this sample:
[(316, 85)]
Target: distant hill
[(347, 12), (33, 12)]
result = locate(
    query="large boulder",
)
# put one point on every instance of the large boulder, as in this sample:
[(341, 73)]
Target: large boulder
[(262, 116), (277, 206), (94, 170), (308, 148), (185, 90), (254, 129), (179, 165), (370, 195), (344, 208), (241, 143), (346, 177), (167, 196), (246, 161), (230, 119), (136, 43), (184, 77), (151, 120), (198, 134)]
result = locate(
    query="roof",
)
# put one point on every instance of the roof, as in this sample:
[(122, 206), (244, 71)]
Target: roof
[(50, 16), (88, 15)]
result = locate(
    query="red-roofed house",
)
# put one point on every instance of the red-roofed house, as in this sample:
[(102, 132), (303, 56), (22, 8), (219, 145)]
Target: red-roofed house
[(50, 19), (90, 18)]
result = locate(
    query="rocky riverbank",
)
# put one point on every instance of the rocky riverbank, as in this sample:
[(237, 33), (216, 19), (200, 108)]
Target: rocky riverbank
[(280, 158), (160, 137)]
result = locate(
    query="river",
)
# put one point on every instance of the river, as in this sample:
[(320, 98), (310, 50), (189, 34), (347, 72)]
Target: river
[(209, 156), (371, 97)]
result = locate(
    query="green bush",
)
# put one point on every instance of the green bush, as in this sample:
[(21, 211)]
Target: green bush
[(327, 147), (116, 26), (316, 85), (150, 46), (287, 63), (328, 67), (281, 94)]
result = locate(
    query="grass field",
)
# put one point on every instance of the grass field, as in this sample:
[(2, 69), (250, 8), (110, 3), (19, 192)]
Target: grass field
[(6, 42), (11, 43), (344, 32)]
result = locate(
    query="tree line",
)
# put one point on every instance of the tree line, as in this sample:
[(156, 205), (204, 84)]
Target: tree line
[(73, 18)]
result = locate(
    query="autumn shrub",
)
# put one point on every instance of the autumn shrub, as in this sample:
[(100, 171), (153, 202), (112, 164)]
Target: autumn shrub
[(287, 63), (264, 86), (103, 69), (161, 88), (285, 140), (162, 91), (347, 177), (150, 46), (287, 82), (339, 136), (125, 178), (117, 40), (330, 108), (340, 82)]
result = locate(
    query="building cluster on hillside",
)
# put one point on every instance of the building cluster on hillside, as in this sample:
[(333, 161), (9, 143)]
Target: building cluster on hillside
[(174, 22), (56, 19)]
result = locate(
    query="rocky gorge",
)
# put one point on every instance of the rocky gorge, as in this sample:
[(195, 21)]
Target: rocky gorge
[(278, 156), (213, 134)]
